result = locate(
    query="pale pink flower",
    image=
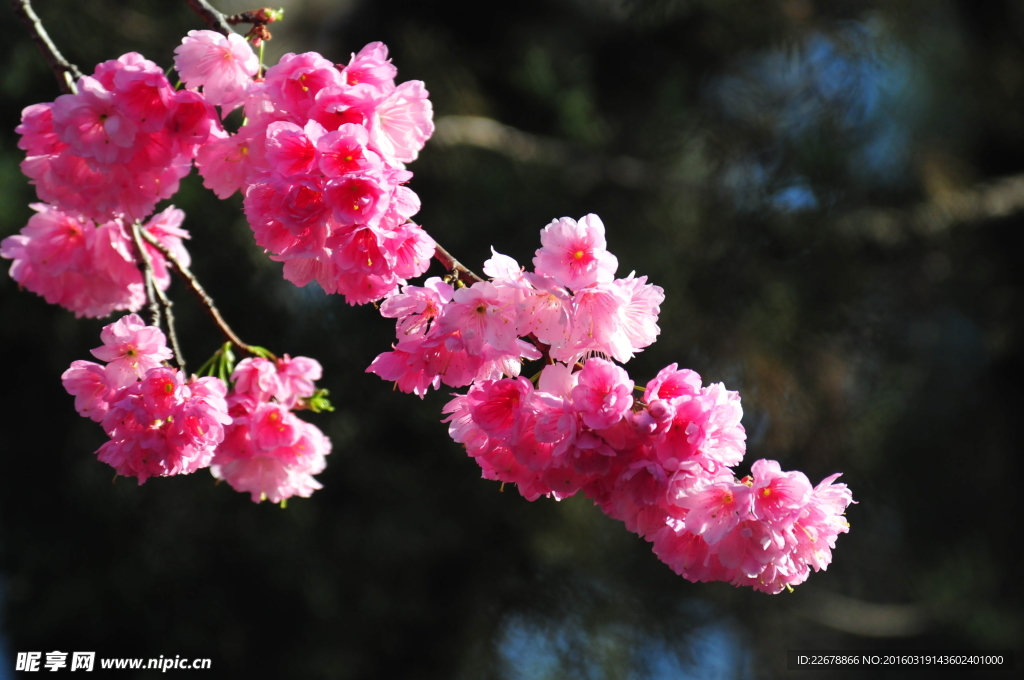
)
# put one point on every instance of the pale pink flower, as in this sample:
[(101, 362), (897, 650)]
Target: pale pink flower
[(402, 123), (640, 314), (417, 307), (88, 383), (603, 394), (574, 253), (483, 316), (225, 164), (222, 65), (597, 324), (296, 378), (544, 310)]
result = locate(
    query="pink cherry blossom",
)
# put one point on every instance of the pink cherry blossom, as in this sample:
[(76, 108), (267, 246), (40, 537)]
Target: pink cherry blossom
[(574, 253), (91, 125), (164, 425), (89, 384), (371, 66), (222, 65), (603, 395), (778, 497), (402, 122), (131, 349), (484, 316)]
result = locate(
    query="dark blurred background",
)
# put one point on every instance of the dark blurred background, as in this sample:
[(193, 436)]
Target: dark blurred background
[(831, 194)]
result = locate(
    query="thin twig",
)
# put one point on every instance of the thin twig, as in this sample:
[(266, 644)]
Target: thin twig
[(65, 72), (171, 328), (146, 267), (154, 290), (204, 297), (214, 19)]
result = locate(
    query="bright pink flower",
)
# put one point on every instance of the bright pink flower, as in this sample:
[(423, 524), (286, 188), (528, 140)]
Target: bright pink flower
[(344, 151), (358, 198), (574, 253), (165, 227), (131, 348), (90, 124), (222, 65), (335, 106), (257, 378), (672, 382), (278, 474), (715, 509), (603, 395), (297, 78), (143, 444), (70, 262), (142, 91), (778, 497), (297, 377), (291, 150), (498, 406), (192, 122), (273, 426), (88, 383), (407, 368), (372, 67), (36, 130)]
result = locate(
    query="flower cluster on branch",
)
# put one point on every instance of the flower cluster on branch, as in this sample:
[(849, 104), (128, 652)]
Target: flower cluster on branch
[(320, 160)]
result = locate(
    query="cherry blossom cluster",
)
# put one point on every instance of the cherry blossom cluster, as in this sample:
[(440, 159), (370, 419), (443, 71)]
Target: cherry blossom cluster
[(162, 423), (87, 268), (267, 450), (119, 145), (320, 161), (101, 159), (661, 464), (572, 304)]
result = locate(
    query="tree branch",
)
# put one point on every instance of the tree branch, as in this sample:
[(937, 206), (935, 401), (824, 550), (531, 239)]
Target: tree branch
[(203, 296), (154, 295), (460, 271), (65, 72), (215, 19)]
